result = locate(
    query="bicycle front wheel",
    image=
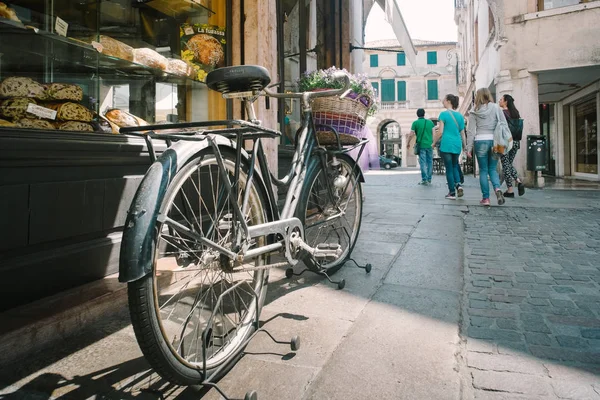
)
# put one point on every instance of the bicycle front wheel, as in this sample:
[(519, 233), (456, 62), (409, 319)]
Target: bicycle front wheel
[(332, 218), (196, 306)]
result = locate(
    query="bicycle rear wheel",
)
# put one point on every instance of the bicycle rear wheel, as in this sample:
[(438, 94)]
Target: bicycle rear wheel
[(175, 310), (331, 219)]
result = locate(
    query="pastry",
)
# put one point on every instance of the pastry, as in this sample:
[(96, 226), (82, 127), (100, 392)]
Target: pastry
[(16, 107), (207, 49), (63, 91), (178, 67), (71, 112), (114, 48), (35, 123), (150, 58), (123, 119), (18, 86), (6, 123), (75, 126), (9, 13)]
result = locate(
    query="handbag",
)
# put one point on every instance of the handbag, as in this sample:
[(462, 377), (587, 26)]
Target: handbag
[(503, 140)]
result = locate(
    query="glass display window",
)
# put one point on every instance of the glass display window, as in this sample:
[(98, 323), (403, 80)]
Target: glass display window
[(98, 65), (586, 137)]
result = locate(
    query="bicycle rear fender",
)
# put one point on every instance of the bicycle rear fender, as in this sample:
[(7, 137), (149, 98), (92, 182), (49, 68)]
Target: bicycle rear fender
[(137, 245)]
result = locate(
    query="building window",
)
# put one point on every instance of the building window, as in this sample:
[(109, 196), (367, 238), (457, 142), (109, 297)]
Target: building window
[(376, 88), (388, 90), (401, 59), (432, 89), (431, 57), (549, 4), (374, 60), (401, 90)]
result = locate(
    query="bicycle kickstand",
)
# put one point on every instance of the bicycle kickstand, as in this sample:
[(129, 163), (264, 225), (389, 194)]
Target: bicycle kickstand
[(290, 272), (367, 267)]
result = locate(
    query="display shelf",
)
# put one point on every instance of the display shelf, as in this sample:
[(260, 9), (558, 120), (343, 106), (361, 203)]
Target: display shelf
[(76, 54), (176, 8)]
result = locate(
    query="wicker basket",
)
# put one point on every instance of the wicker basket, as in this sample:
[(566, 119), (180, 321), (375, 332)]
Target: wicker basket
[(345, 115)]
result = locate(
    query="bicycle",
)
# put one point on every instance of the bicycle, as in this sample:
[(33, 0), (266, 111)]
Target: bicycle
[(204, 223)]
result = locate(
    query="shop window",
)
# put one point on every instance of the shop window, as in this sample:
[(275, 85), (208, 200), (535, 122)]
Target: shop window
[(86, 59), (432, 89), (586, 137), (401, 90), (388, 90), (431, 57), (401, 59), (374, 58)]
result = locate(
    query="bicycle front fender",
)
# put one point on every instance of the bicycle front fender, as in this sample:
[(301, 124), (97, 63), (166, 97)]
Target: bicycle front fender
[(137, 245)]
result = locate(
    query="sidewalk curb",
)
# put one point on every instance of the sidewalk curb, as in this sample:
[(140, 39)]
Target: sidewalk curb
[(50, 320)]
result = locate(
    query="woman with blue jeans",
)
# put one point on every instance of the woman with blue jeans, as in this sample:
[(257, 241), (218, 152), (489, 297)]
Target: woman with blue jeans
[(483, 119), (452, 125)]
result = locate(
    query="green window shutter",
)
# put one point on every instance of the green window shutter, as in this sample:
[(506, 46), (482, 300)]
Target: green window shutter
[(376, 88), (401, 59), (374, 60), (388, 90), (432, 57), (432, 89), (401, 90)]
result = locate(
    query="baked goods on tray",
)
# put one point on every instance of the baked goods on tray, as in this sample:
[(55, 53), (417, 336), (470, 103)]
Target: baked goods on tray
[(207, 49), (71, 112), (75, 126), (115, 48), (16, 107), (19, 86), (179, 67), (8, 13), (150, 58), (35, 123), (4, 122), (123, 119), (63, 91)]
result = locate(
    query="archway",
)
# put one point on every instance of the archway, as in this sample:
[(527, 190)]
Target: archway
[(390, 140)]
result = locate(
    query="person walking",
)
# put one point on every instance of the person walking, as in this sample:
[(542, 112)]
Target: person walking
[(515, 124), (452, 124), (483, 119), (423, 129)]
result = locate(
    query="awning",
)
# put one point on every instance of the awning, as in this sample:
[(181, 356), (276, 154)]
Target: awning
[(394, 18)]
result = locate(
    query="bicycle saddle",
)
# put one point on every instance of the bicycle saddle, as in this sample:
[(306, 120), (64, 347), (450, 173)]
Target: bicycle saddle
[(241, 78)]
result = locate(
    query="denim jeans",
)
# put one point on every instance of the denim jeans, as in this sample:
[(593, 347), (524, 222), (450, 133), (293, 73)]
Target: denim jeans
[(487, 166), (452, 170), (426, 163)]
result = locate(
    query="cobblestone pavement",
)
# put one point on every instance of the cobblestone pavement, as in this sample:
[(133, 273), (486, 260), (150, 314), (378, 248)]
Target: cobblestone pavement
[(532, 302)]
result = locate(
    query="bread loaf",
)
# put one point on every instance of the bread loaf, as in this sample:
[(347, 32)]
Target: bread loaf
[(123, 119), (179, 67), (35, 123), (63, 91), (71, 112), (114, 48), (150, 58), (18, 86), (75, 126), (8, 13), (6, 123), (16, 108)]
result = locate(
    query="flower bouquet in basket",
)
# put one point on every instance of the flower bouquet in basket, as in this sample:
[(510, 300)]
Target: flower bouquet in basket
[(347, 115)]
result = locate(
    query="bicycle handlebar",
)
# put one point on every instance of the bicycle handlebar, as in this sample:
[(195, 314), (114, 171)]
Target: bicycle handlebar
[(338, 76)]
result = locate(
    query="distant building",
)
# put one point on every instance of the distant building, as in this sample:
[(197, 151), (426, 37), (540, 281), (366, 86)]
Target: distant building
[(402, 89), (544, 53)]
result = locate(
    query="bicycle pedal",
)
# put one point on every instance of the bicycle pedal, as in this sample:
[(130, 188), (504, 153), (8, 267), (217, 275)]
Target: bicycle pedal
[(328, 251)]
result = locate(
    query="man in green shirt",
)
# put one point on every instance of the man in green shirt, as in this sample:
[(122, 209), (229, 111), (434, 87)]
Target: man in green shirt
[(423, 128)]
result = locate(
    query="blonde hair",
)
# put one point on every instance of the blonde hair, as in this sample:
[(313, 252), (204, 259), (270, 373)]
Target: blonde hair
[(483, 96)]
